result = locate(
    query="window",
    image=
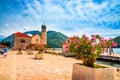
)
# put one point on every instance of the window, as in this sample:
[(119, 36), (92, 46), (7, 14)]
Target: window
[(22, 41), (36, 40)]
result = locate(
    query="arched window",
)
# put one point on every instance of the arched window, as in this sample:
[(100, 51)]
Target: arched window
[(36, 40)]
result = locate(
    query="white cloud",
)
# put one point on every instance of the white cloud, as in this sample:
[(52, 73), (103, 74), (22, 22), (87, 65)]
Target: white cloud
[(83, 16), (104, 32), (31, 11)]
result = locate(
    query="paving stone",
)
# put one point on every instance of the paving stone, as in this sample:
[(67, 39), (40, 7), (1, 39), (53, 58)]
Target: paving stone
[(25, 67)]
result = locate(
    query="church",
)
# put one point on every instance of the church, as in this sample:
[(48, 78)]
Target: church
[(22, 40)]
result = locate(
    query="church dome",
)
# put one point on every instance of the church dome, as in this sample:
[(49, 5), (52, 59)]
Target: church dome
[(43, 27)]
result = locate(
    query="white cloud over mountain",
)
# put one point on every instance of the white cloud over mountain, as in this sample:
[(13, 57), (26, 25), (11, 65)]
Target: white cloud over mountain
[(70, 16)]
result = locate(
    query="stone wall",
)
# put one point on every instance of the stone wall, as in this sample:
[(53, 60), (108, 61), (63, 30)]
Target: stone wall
[(81, 72), (36, 39), (19, 44), (44, 36)]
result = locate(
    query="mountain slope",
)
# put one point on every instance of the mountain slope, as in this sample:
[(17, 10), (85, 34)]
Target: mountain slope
[(54, 39), (9, 39), (2, 37), (33, 32), (117, 40)]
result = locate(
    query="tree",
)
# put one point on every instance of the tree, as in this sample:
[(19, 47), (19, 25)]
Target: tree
[(6, 43)]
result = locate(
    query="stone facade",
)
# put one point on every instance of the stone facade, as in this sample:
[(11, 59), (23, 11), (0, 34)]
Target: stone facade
[(36, 39), (22, 40), (43, 35)]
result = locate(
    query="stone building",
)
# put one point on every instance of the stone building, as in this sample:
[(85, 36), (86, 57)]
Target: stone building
[(22, 40), (36, 39), (43, 35)]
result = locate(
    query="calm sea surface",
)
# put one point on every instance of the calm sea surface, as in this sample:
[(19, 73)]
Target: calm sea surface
[(108, 63), (116, 50)]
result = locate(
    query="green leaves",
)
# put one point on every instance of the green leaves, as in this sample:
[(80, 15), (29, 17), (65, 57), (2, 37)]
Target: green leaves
[(87, 48)]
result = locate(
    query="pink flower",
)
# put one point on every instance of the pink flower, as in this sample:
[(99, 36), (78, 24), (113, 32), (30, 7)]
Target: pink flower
[(111, 39), (76, 46), (86, 44), (85, 50), (102, 39), (66, 49), (93, 38), (86, 47), (114, 44), (95, 35), (93, 44), (71, 38)]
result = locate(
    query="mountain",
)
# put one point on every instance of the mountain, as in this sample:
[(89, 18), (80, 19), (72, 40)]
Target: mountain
[(9, 39), (117, 40), (2, 37), (33, 32), (54, 39)]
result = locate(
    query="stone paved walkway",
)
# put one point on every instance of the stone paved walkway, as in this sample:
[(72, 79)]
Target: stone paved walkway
[(8, 67), (25, 67)]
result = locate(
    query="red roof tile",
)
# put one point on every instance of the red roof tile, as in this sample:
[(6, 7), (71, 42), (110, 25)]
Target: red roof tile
[(2, 46), (21, 34)]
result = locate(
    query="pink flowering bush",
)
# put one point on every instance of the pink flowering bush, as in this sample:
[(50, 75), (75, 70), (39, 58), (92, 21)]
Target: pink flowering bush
[(87, 48)]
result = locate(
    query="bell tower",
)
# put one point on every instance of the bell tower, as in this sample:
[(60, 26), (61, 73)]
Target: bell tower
[(43, 35)]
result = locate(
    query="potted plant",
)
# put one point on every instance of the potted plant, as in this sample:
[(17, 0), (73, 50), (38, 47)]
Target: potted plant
[(19, 51), (40, 52), (39, 55), (89, 50)]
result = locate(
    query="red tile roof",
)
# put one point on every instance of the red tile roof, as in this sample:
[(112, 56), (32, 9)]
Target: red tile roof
[(2, 46), (21, 34)]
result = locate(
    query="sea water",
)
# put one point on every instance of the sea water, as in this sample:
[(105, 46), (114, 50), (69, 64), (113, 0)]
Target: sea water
[(116, 50), (108, 63)]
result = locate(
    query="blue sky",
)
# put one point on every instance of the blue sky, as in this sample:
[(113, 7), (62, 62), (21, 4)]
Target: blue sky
[(71, 17)]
